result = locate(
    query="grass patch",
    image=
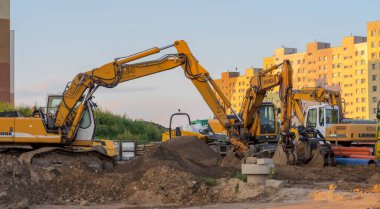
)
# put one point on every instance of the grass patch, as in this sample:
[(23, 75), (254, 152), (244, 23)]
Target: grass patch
[(208, 181), (241, 176)]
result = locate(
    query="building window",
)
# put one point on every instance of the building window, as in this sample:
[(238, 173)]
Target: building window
[(363, 99), (357, 81), (373, 44), (374, 77), (374, 88), (363, 90), (374, 55), (363, 109), (362, 72), (374, 99), (373, 66), (362, 52), (356, 53), (363, 62), (363, 80), (357, 100), (374, 110), (373, 33)]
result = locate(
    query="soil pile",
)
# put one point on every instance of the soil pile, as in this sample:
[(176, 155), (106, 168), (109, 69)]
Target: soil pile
[(177, 172), (188, 154), (19, 182), (357, 174)]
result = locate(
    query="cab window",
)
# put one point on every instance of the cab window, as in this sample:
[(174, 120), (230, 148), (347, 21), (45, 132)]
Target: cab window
[(86, 120), (311, 120), (321, 117), (332, 116)]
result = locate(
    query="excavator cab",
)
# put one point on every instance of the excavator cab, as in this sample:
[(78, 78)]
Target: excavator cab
[(269, 127)]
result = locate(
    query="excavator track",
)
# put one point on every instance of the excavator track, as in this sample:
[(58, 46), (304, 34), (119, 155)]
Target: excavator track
[(57, 156)]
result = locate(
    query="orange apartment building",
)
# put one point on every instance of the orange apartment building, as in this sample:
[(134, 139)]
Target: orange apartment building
[(234, 86), (352, 68)]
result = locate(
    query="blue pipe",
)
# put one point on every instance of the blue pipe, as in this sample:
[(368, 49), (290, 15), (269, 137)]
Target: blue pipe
[(354, 161)]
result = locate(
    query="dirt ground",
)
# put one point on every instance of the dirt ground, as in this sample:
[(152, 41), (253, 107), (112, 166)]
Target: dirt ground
[(186, 175)]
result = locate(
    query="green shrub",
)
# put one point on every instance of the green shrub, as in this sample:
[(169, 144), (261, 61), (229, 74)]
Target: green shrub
[(119, 127), (208, 181), (24, 110), (241, 176)]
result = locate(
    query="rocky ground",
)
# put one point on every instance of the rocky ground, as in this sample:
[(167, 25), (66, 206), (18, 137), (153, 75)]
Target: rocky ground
[(177, 174)]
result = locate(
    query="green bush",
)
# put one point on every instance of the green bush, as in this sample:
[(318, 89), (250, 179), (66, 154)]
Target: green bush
[(241, 176), (119, 127), (208, 181), (24, 110)]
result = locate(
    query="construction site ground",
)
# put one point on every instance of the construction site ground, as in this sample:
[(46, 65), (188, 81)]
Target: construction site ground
[(182, 174)]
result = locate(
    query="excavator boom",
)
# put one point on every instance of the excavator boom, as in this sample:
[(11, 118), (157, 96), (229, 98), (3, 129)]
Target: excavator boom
[(121, 70)]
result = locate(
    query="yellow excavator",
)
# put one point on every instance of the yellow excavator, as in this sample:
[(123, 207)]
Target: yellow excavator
[(66, 126)]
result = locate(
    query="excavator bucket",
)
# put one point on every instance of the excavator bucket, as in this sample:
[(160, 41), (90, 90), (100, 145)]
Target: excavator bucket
[(317, 160), (231, 161), (312, 155), (284, 156)]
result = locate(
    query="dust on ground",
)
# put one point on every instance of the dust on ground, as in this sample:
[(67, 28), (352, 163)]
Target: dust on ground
[(180, 173)]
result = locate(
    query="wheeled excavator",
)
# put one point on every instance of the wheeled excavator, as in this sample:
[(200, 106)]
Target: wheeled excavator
[(66, 126)]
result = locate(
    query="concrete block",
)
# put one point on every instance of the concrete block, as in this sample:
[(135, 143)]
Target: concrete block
[(251, 160), (274, 183), (256, 169), (257, 179), (264, 161)]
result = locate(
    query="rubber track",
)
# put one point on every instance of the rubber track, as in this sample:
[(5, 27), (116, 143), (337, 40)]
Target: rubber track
[(27, 157)]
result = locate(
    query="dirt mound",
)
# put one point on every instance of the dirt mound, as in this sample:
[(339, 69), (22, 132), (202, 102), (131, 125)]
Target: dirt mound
[(374, 179), (188, 154), (177, 172), (19, 182), (340, 173)]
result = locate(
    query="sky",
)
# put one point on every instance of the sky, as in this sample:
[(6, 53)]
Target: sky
[(55, 40)]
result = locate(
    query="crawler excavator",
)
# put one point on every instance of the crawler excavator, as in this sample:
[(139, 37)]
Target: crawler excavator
[(304, 145), (66, 127)]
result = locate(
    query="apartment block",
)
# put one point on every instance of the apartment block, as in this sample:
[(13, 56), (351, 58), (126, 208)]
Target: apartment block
[(233, 85), (352, 68), (373, 60)]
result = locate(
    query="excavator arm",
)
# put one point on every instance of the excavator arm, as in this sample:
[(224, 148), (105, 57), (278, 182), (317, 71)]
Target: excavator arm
[(259, 85), (316, 94), (84, 85)]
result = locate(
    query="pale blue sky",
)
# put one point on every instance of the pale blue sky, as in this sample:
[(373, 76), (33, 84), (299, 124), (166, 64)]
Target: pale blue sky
[(55, 40)]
